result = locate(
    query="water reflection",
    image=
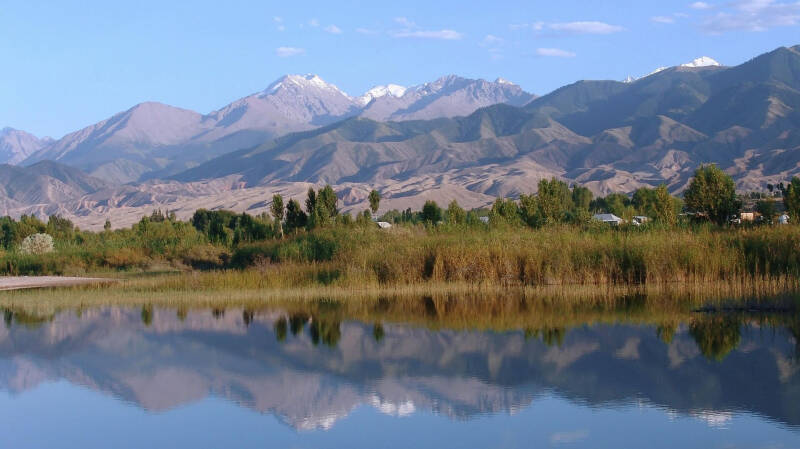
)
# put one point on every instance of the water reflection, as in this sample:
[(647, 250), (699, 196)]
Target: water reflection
[(314, 365)]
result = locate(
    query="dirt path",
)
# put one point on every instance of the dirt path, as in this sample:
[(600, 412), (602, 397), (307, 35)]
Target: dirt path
[(20, 282)]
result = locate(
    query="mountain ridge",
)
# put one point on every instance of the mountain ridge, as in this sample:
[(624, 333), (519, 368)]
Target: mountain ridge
[(606, 135), (128, 147)]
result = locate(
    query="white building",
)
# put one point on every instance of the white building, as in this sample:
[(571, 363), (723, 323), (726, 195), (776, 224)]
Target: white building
[(384, 225), (783, 219), (611, 219)]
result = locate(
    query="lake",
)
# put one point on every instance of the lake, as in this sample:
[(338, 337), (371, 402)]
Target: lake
[(326, 376)]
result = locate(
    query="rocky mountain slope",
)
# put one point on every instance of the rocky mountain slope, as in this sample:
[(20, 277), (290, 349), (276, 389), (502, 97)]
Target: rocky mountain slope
[(46, 183), (607, 135), (16, 145), (154, 140)]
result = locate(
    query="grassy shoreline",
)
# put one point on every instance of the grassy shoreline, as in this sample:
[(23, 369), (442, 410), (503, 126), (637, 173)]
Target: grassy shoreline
[(228, 289), (364, 256)]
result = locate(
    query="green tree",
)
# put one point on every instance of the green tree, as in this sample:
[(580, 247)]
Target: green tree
[(363, 219), (278, 213), (455, 214), (663, 206), (581, 197), (60, 228), (374, 201), (712, 194), (323, 207), (311, 201), (504, 211), (555, 200), (791, 199), (613, 203), (328, 197), (107, 225), (529, 210), (295, 217), (431, 212), (767, 209)]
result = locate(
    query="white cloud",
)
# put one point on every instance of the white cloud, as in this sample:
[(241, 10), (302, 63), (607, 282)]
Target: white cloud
[(333, 29), (277, 19), (555, 53), (281, 28), (410, 29), (491, 40), (404, 22), (440, 34), (366, 31), (700, 5), (663, 19), (285, 52), (583, 27), (313, 23), (754, 15), (493, 45), (578, 27)]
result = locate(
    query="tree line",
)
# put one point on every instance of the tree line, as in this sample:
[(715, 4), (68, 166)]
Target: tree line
[(710, 196)]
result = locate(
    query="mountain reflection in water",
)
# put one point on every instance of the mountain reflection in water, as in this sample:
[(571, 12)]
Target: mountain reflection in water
[(310, 368)]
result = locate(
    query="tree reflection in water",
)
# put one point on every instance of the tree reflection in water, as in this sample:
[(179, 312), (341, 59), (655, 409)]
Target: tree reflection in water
[(458, 357)]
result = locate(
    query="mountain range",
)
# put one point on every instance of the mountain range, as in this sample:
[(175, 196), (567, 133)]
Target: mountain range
[(610, 136), (155, 140), (455, 138)]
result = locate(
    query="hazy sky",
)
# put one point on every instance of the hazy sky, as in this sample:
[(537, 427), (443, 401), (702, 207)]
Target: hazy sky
[(69, 64)]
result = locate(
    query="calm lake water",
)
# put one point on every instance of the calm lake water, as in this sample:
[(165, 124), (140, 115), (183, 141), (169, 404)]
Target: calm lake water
[(150, 377)]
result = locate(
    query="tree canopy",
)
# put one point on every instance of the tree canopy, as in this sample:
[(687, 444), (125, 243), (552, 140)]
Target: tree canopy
[(712, 194)]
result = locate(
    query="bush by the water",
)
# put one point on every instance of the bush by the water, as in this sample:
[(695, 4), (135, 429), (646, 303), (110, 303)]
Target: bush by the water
[(37, 244)]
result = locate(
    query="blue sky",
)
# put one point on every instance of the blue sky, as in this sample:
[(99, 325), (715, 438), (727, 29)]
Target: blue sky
[(68, 64)]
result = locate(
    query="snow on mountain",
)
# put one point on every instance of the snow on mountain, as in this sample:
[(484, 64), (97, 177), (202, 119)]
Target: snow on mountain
[(155, 140), (703, 61), (448, 96), (393, 90), (292, 103), (303, 82)]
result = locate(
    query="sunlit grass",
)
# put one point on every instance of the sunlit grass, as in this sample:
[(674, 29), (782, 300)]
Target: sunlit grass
[(433, 304)]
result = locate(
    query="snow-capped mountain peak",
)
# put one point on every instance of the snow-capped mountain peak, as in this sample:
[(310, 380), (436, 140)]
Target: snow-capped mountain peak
[(309, 80), (703, 61), (392, 90)]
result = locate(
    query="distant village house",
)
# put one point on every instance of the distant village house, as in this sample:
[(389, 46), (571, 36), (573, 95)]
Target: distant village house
[(610, 219)]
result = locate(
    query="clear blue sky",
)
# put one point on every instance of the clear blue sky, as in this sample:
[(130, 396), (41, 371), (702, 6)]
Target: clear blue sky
[(68, 64)]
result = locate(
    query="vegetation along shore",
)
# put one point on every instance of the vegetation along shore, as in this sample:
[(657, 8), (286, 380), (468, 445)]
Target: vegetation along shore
[(558, 236)]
